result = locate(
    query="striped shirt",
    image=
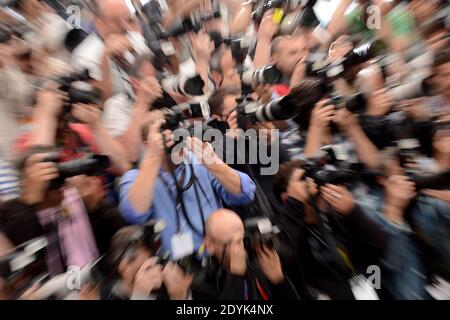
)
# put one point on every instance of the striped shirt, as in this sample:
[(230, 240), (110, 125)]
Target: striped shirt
[(9, 182)]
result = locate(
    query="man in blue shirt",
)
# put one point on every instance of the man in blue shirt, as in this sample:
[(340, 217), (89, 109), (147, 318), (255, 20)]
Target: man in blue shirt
[(150, 192)]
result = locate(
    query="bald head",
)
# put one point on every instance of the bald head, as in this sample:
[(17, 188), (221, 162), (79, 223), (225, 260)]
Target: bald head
[(223, 225)]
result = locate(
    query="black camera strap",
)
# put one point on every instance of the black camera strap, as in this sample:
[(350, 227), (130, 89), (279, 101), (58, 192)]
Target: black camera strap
[(327, 238)]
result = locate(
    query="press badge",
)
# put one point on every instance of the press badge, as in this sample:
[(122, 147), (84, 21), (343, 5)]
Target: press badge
[(362, 289), (182, 244)]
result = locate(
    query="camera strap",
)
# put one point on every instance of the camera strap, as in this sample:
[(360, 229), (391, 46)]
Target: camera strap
[(339, 255)]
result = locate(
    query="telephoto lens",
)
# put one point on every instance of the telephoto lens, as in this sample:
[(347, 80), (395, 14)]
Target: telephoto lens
[(264, 75), (414, 89), (184, 85)]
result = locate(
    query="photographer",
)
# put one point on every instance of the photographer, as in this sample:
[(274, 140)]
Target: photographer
[(222, 68), (417, 227), (101, 51), (332, 239), (154, 189), (136, 274), (125, 115), (235, 277), (58, 213), (53, 126)]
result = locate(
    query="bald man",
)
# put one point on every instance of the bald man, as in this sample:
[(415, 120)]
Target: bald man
[(235, 277), (116, 32)]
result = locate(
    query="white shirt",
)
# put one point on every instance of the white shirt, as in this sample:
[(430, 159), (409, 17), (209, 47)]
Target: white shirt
[(88, 55), (117, 114)]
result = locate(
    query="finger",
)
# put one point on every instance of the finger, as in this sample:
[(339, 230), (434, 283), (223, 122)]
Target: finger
[(155, 128), (335, 188), (150, 262)]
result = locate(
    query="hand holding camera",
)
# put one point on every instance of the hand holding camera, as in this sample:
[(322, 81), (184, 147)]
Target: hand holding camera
[(148, 91), (270, 263), (379, 103), (155, 143), (299, 189), (88, 114), (49, 101), (36, 178), (345, 120), (322, 115), (116, 45), (148, 278), (338, 197), (238, 258), (176, 281)]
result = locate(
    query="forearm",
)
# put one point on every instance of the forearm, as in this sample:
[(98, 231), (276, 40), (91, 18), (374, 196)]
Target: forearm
[(184, 8), (105, 85), (229, 179), (43, 132), (203, 70), (140, 195), (242, 20), (113, 149), (366, 150), (338, 24), (132, 138), (262, 52), (313, 141)]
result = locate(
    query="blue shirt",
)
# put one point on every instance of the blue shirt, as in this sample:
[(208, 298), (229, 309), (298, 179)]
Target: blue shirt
[(210, 191), (403, 269)]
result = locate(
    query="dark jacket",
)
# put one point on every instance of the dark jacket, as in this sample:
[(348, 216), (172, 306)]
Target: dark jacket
[(319, 260), (218, 284)]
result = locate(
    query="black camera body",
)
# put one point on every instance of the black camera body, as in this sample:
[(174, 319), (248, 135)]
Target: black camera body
[(327, 169), (90, 164), (259, 12), (78, 90), (260, 232), (25, 265)]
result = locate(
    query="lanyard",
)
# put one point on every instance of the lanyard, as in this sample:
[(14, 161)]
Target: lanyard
[(175, 197)]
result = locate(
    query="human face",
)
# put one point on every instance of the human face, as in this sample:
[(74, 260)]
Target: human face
[(115, 17), (230, 77), (229, 105), (131, 263), (221, 243), (289, 52)]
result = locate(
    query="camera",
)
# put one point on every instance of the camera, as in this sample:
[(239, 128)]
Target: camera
[(355, 103), (152, 234), (184, 85), (259, 12), (329, 168), (249, 111), (25, 265), (411, 90), (78, 90), (264, 75), (260, 232), (90, 164), (425, 180), (331, 71)]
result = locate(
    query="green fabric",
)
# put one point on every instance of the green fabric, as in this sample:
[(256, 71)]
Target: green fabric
[(356, 25), (402, 22)]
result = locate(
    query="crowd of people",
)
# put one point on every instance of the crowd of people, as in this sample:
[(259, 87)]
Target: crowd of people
[(100, 200)]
